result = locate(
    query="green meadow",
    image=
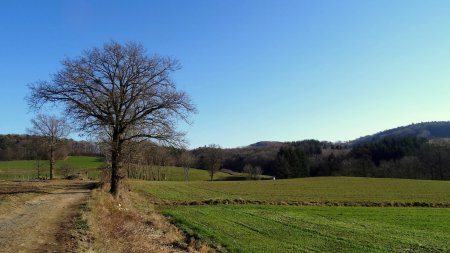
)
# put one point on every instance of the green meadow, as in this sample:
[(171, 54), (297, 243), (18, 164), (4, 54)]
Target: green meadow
[(265, 228), (328, 214), (27, 169), (339, 190)]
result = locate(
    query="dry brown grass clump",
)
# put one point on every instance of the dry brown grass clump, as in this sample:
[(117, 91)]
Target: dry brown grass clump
[(119, 227)]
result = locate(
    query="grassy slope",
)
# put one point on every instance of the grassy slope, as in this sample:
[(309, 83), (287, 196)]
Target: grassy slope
[(262, 228), (320, 189), (27, 168)]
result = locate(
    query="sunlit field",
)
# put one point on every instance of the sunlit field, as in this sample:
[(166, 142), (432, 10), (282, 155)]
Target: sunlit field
[(264, 228), (338, 190), (27, 169), (330, 214)]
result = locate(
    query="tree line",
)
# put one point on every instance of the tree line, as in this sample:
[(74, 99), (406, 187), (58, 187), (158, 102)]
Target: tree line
[(395, 157), (400, 157), (33, 147)]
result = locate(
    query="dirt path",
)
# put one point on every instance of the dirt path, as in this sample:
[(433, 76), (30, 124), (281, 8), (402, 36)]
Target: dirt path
[(42, 224)]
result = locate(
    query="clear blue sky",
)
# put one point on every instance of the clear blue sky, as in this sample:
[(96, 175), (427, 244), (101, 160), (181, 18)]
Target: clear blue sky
[(257, 70)]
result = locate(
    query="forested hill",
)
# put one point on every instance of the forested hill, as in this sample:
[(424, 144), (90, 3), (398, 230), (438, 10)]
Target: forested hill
[(265, 144), (429, 130)]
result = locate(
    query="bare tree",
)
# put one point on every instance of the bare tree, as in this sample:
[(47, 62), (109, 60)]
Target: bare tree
[(253, 172), (39, 152), (160, 159), (187, 160), (121, 91), (213, 159), (53, 129)]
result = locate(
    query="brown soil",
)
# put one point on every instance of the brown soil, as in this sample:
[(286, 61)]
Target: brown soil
[(41, 224)]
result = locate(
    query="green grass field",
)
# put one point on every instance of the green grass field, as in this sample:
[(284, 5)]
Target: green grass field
[(275, 225), (24, 170), (341, 190), (263, 228)]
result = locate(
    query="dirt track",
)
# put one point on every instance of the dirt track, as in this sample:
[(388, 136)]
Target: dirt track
[(43, 223)]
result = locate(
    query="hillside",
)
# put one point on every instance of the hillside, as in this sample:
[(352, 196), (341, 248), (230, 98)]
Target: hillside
[(266, 144), (429, 130)]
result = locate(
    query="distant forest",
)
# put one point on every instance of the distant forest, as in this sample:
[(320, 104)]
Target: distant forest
[(31, 147), (418, 151), (394, 157)]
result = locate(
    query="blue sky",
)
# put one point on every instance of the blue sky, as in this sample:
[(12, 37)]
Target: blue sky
[(257, 70)]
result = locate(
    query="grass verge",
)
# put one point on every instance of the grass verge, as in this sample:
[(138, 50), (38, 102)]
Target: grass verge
[(81, 238), (128, 225)]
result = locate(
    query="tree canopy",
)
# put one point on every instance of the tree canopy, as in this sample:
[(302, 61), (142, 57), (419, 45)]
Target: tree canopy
[(119, 91), (53, 129)]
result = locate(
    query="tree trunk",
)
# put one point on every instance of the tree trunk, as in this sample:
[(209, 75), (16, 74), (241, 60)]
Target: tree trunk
[(38, 168), (52, 161), (186, 173), (115, 165), (441, 175)]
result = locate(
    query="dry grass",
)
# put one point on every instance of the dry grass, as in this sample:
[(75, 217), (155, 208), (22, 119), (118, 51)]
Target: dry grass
[(117, 226), (159, 221)]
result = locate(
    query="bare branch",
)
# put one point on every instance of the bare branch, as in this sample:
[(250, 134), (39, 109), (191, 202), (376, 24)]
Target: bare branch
[(121, 91)]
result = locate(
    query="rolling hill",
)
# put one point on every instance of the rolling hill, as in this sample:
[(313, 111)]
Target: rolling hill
[(429, 130)]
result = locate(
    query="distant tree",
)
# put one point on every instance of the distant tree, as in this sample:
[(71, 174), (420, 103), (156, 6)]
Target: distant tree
[(253, 172), (187, 160), (120, 91), (53, 129), (213, 159), (2, 142), (40, 153), (161, 159), (248, 170)]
